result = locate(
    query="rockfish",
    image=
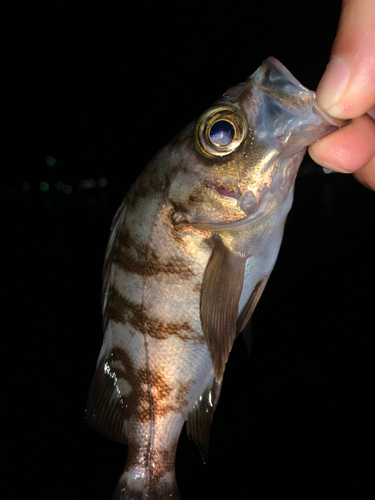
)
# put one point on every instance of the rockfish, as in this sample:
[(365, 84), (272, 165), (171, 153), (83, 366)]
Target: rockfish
[(191, 249)]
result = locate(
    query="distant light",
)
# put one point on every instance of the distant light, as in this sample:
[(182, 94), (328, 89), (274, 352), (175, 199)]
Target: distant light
[(50, 160), (86, 184), (59, 186), (25, 186), (67, 189), (102, 181), (44, 186)]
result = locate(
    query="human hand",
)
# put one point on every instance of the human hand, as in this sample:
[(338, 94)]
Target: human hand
[(347, 90)]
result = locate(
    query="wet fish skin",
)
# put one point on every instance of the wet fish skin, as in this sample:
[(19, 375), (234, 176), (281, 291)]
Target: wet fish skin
[(191, 249)]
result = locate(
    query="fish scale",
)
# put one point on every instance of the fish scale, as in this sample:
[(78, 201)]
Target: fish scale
[(191, 249)]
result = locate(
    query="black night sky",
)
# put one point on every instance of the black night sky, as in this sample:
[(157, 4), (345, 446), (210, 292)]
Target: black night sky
[(89, 94)]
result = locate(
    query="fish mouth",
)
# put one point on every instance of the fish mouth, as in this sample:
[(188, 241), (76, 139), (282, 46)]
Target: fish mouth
[(222, 189), (272, 61), (249, 203), (258, 206)]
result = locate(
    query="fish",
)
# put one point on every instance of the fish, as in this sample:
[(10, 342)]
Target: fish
[(190, 251)]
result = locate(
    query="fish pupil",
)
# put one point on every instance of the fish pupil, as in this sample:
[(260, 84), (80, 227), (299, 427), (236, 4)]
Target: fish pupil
[(221, 133)]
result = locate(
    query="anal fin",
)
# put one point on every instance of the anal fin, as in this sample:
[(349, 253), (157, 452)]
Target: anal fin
[(200, 417), (104, 411)]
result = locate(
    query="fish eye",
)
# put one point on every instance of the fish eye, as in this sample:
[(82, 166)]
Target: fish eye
[(221, 133), (220, 130)]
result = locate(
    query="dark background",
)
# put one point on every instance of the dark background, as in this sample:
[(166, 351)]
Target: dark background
[(101, 91)]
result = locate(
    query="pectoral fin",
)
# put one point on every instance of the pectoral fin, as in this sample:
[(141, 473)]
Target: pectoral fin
[(221, 292)]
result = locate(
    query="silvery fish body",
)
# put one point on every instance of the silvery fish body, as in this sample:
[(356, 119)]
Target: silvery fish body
[(191, 249)]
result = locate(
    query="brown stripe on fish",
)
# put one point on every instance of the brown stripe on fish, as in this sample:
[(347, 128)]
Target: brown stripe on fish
[(179, 401), (140, 191), (121, 310), (146, 187), (166, 398), (148, 263), (137, 401), (173, 266), (163, 400), (117, 305), (161, 185)]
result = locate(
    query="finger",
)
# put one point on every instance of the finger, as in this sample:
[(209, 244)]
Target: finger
[(366, 175), (348, 149), (347, 86), (371, 112)]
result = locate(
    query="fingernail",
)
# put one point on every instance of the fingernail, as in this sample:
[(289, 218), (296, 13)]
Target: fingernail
[(333, 84)]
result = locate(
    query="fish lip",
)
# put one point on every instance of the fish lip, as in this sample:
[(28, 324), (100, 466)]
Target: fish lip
[(337, 122), (283, 69)]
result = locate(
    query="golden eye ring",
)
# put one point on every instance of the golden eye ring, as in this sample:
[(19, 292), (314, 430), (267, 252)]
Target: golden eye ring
[(212, 145)]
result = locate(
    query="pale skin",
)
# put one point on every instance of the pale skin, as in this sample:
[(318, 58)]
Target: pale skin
[(347, 90)]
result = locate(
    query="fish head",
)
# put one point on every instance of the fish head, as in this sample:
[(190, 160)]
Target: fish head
[(241, 157)]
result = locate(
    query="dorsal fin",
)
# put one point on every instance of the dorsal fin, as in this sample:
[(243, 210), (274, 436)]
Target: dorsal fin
[(104, 411), (221, 292), (200, 417), (111, 250)]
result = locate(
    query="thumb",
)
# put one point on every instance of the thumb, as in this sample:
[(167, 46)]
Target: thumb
[(347, 88)]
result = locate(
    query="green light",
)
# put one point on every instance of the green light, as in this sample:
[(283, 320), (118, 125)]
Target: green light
[(59, 185), (50, 160), (44, 186), (67, 189)]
